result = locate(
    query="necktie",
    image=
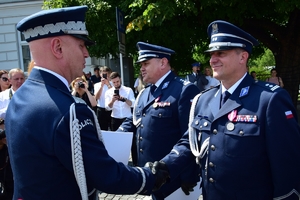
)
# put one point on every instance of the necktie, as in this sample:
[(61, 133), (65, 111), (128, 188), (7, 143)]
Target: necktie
[(224, 98), (152, 89)]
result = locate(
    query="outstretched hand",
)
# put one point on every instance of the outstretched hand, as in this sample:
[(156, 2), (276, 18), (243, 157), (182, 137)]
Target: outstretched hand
[(160, 171)]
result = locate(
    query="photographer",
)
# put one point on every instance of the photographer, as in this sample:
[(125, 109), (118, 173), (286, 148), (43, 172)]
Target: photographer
[(80, 89), (119, 99)]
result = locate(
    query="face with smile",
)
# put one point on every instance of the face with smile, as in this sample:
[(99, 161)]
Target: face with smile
[(152, 70), (229, 65)]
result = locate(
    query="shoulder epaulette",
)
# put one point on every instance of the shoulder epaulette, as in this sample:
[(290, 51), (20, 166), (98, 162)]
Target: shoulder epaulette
[(268, 86), (181, 80)]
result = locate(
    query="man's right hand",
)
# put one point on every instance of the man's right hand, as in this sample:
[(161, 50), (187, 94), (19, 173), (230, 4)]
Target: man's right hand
[(160, 171)]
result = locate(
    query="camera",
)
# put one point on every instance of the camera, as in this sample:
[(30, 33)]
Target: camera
[(81, 84), (104, 76), (116, 92), (2, 134)]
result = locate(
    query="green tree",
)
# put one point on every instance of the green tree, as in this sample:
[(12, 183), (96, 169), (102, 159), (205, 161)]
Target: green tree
[(182, 25)]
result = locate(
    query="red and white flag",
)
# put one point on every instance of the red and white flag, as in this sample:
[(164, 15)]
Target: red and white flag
[(289, 114)]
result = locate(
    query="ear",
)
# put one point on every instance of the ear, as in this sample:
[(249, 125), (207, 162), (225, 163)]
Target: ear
[(56, 47), (244, 57), (164, 62)]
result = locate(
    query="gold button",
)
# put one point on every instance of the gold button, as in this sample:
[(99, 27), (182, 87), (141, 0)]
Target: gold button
[(215, 131), (211, 180), (212, 147)]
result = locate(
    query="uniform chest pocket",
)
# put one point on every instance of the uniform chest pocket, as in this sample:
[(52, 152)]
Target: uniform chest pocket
[(161, 113), (202, 124), (243, 139)]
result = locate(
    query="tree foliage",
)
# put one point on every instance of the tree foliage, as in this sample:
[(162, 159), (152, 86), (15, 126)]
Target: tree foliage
[(182, 26)]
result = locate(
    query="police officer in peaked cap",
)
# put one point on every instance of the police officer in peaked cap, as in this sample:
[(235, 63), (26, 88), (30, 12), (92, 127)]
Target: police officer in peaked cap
[(248, 145)]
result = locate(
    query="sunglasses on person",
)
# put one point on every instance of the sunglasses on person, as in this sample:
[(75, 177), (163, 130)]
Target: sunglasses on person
[(4, 79)]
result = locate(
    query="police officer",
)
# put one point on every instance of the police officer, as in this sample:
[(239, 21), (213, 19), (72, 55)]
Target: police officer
[(54, 140), (248, 145), (161, 111), (197, 77)]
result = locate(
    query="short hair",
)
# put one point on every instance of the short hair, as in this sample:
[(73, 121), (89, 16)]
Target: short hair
[(114, 75), (96, 68), (15, 70), (273, 69), (106, 69)]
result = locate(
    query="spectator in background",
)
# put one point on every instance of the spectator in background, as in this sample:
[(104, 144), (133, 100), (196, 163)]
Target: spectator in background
[(274, 78), (89, 81), (212, 82), (4, 81), (16, 78), (253, 75), (119, 99), (139, 84), (96, 78), (197, 77), (80, 89), (104, 115)]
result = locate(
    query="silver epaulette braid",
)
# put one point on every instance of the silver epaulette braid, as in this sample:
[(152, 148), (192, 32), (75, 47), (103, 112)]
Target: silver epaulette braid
[(77, 159), (199, 152)]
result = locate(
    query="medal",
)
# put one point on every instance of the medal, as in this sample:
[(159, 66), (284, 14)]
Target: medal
[(232, 115), (230, 126), (154, 105)]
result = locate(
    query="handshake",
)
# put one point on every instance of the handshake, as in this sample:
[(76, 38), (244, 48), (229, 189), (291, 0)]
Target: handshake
[(160, 170)]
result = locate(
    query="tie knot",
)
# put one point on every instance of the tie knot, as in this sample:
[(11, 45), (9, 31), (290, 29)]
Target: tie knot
[(225, 96), (152, 89)]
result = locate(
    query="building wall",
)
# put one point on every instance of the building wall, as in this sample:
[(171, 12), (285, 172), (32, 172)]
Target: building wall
[(10, 15)]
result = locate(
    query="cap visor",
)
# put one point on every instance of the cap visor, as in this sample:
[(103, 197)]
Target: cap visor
[(219, 48), (87, 41)]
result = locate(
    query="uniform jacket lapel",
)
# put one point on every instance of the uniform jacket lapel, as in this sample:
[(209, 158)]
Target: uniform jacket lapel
[(234, 101), (158, 92)]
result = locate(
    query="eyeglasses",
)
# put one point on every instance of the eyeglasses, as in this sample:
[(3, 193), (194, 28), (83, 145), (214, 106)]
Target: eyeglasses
[(4, 79)]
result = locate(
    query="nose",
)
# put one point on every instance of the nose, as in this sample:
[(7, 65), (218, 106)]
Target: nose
[(86, 52)]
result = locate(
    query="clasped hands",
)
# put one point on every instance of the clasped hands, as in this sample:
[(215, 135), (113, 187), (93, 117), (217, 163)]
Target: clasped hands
[(160, 170)]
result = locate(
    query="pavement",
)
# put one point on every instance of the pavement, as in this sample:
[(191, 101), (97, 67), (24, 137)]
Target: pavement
[(105, 196)]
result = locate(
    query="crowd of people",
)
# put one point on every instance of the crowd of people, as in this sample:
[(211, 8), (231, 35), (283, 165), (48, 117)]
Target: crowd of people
[(238, 134)]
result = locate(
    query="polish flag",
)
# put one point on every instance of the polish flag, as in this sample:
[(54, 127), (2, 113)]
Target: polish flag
[(289, 114)]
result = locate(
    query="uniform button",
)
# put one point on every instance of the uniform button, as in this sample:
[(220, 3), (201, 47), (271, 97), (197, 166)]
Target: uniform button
[(215, 131), (159, 115), (142, 126), (196, 122), (211, 164), (205, 124), (212, 147), (211, 180), (141, 138), (141, 150), (241, 132), (144, 114)]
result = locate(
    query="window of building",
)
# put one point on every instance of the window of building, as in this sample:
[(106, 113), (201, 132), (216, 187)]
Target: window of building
[(25, 56)]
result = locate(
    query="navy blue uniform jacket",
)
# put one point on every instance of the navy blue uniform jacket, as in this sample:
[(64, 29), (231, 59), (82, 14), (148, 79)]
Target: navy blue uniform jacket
[(247, 159), (163, 121), (38, 135)]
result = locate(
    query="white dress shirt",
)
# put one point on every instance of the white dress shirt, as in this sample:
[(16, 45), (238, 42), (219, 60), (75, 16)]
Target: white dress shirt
[(120, 109)]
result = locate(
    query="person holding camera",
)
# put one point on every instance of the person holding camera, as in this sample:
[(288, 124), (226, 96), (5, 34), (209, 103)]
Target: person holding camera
[(104, 115), (80, 89), (197, 77), (119, 99)]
